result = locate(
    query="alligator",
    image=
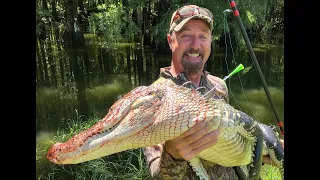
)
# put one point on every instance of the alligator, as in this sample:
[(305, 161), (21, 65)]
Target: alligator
[(149, 115)]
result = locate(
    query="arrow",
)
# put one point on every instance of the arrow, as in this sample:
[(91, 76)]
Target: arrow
[(239, 68)]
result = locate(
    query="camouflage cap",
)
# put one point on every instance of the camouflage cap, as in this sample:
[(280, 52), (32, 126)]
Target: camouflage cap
[(184, 14)]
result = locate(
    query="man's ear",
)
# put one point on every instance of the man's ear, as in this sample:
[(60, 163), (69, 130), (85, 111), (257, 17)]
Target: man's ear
[(169, 40)]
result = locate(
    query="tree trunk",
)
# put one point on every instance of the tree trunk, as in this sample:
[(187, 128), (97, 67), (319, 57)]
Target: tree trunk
[(81, 5), (87, 68), (49, 49), (146, 24), (80, 82), (44, 61), (61, 55), (149, 68), (141, 24), (37, 78), (128, 53), (161, 7), (83, 16), (109, 61), (51, 61), (74, 44), (100, 60), (55, 24), (40, 67), (72, 36), (139, 65), (54, 11)]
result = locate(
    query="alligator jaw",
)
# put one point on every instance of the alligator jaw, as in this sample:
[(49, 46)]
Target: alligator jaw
[(124, 119), (79, 145)]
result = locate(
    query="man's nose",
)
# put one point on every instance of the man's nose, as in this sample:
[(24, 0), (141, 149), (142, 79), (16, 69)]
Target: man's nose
[(196, 42)]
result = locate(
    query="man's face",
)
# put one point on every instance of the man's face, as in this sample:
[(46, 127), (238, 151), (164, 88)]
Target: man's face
[(191, 46)]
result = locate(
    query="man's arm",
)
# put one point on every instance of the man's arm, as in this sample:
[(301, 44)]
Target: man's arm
[(162, 166), (168, 161)]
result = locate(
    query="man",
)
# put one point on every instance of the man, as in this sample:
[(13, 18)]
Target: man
[(189, 38)]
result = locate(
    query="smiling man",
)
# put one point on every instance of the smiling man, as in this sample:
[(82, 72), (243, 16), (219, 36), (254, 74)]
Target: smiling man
[(191, 47), (189, 38)]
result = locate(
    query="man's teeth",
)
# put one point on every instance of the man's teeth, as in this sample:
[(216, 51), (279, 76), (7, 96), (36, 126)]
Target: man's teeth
[(193, 55)]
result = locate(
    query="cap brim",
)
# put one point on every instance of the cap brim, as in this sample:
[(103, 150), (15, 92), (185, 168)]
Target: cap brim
[(183, 22)]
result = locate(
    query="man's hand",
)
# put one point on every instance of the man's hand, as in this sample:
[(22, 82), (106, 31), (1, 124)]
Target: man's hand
[(191, 142), (195, 140)]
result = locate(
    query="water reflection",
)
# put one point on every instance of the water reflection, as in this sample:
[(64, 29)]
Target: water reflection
[(86, 82)]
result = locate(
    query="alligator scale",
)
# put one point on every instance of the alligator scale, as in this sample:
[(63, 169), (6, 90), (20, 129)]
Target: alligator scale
[(149, 115)]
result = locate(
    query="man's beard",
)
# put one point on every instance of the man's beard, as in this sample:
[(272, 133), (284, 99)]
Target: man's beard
[(191, 68)]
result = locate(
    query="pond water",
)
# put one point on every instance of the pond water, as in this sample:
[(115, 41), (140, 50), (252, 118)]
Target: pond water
[(84, 83)]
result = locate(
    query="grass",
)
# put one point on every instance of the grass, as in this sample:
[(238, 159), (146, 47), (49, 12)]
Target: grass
[(269, 172), (124, 165)]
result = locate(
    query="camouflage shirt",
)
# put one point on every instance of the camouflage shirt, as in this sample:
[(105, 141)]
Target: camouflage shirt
[(161, 165)]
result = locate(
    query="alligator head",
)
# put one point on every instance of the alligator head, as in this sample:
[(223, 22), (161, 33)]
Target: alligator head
[(146, 116)]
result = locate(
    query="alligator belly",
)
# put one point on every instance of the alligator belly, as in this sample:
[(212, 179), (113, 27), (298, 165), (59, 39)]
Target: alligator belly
[(235, 152)]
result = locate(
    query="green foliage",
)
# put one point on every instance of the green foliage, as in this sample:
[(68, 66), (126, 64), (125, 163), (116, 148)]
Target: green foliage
[(252, 13), (251, 18), (112, 23), (272, 30), (160, 31), (43, 17), (134, 3), (269, 172)]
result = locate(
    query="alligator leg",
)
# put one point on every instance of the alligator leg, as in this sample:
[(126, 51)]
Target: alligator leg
[(273, 147), (197, 167), (255, 166), (242, 172)]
